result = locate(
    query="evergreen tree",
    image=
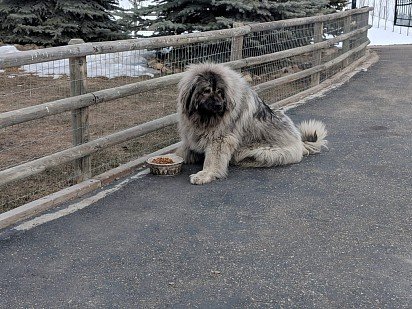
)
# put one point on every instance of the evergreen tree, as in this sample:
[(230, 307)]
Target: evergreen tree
[(124, 18), (55, 22), (178, 16)]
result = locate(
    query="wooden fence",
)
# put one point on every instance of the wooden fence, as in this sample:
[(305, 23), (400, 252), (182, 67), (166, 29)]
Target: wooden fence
[(81, 100)]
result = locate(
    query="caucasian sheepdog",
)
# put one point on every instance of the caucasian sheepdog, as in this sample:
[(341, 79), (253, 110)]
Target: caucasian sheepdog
[(222, 120)]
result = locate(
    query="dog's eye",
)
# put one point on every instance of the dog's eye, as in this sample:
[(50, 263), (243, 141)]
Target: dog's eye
[(207, 90)]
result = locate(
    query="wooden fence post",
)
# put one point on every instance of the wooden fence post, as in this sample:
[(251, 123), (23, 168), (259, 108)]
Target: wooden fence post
[(365, 17), (80, 117), (237, 44), (317, 55), (346, 43)]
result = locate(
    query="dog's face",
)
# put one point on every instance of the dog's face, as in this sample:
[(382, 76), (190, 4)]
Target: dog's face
[(207, 96)]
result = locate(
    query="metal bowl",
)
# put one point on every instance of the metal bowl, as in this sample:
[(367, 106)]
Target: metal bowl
[(167, 169)]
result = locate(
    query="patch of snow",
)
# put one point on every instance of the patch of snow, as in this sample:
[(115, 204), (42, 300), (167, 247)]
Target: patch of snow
[(126, 4), (379, 36), (128, 63), (385, 33), (8, 49), (145, 32)]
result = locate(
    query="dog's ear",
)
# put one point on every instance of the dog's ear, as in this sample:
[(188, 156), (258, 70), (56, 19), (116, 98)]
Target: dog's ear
[(187, 89), (190, 100), (227, 97)]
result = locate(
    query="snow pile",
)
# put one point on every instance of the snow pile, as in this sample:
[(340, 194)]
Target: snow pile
[(8, 49), (383, 33), (128, 63), (379, 36)]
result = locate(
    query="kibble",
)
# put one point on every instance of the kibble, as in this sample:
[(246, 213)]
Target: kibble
[(162, 160)]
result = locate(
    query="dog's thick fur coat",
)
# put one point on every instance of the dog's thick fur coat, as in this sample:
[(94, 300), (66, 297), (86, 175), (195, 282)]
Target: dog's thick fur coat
[(222, 120)]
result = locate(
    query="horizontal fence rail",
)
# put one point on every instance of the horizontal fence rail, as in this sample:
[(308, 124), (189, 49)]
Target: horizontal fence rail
[(72, 103), (84, 100), (283, 80), (64, 52), (348, 44), (68, 155)]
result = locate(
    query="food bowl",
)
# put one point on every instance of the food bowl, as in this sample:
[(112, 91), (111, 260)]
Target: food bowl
[(167, 165)]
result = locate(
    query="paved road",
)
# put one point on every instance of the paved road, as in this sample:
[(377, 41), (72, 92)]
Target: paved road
[(334, 231)]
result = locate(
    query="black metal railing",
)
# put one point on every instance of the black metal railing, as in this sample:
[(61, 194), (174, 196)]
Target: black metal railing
[(403, 13)]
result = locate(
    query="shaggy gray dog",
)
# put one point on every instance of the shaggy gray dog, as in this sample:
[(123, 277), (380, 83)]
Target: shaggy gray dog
[(222, 120)]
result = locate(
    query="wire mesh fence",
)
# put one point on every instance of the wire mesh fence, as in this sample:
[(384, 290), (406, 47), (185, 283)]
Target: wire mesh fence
[(29, 85)]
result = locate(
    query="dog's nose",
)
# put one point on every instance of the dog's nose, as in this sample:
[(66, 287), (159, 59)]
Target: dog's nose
[(218, 106)]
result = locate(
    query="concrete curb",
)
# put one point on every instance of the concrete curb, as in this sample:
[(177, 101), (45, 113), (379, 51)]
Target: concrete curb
[(390, 46), (47, 202), (36, 207)]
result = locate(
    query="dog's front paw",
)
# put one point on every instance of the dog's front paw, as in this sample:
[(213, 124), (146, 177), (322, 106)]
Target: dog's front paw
[(201, 178)]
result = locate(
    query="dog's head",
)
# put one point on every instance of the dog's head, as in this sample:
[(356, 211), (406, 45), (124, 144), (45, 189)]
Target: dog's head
[(207, 95), (203, 93)]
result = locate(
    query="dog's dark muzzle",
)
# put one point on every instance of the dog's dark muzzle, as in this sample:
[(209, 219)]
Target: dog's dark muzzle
[(212, 106), (217, 106)]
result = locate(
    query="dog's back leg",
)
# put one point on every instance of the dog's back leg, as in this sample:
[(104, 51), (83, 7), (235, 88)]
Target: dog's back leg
[(268, 156)]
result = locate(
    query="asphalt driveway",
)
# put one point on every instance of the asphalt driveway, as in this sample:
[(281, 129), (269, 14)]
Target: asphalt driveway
[(334, 231)]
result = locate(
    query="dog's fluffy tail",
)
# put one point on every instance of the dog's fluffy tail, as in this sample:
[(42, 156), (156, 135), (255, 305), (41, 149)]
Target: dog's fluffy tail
[(313, 135)]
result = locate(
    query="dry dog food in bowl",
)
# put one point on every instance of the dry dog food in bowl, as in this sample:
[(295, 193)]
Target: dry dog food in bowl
[(162, 160), (168, 164)]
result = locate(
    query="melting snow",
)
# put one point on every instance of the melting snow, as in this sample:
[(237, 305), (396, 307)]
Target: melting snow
[(128, 63)]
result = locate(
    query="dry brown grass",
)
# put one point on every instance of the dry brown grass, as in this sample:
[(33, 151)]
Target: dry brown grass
[(28, 141)]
